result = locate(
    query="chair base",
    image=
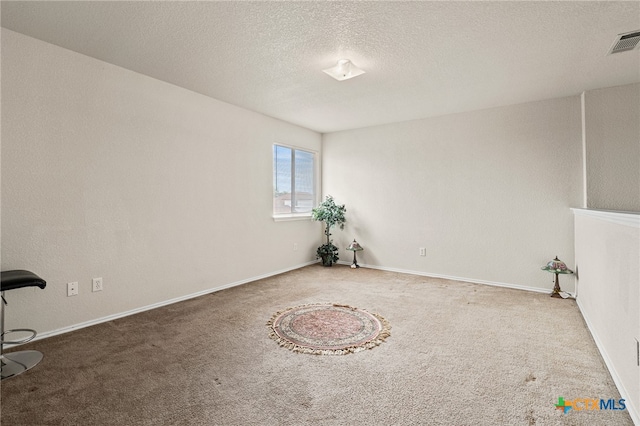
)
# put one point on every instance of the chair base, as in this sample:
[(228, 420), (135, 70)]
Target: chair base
[(15, 363)]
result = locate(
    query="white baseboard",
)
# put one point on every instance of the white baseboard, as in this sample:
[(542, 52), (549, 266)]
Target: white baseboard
[(112, 317), (449, 277), (635, 416), (67, 329), (631, 408)]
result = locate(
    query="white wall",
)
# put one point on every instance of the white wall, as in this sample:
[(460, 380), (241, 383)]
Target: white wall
[(486, 192), (608, 261), (608, 243), (165, 193), (107, 173), (612, 146)]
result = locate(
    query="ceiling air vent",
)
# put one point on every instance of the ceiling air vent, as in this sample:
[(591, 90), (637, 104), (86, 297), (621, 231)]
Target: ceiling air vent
[(625, 42)]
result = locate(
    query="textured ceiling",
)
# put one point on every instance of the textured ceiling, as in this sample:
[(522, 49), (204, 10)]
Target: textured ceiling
[(421, 58)]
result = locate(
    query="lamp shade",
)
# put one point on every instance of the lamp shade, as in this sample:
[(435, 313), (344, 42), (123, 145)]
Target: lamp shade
[(557, 266), (354, 246)]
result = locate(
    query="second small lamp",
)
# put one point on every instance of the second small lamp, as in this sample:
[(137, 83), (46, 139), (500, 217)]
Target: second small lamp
[(354, 247), (557, 266)]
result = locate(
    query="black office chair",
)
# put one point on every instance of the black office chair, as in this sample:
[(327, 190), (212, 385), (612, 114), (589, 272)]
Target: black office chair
[(15, 363)]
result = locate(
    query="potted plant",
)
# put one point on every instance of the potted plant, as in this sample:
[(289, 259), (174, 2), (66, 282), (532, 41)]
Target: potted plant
[(331, 214)]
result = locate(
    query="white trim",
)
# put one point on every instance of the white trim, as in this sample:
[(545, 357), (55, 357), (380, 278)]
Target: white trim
[(621, 218), (112, 317), (583, 112), (635, 416), (291, 216), (296, 147), (163, 303), (463, 279)]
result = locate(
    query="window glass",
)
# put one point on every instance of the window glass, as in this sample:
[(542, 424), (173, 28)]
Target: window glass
[(293, 180)]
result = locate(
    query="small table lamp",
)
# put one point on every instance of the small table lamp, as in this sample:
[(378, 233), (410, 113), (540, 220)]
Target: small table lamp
[(557, 266), (354, 247)]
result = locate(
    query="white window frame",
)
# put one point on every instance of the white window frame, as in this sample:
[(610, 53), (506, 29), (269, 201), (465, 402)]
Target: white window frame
[(316, 182)]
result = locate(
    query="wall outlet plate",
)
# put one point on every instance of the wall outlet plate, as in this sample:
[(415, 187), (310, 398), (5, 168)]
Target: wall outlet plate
[(97, 284), (72, 289)]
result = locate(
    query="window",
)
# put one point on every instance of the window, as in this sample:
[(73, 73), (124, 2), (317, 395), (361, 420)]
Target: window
[(294, 181)]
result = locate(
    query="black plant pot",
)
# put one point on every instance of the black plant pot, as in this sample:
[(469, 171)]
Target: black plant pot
[(327, 261)]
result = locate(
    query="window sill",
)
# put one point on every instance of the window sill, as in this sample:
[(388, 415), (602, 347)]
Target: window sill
[(290, 217)]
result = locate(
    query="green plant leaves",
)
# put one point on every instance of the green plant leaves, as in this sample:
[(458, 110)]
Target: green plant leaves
[(331, 214), (328, 253)]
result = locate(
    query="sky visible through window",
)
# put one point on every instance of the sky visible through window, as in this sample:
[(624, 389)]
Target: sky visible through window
[(302, 182)]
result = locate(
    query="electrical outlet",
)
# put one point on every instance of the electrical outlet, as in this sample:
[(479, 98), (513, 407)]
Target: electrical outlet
[(97, 284), (423, 251), (295, 246), (72, 289)]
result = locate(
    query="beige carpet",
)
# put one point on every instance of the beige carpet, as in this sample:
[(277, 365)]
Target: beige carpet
[(459, 354)]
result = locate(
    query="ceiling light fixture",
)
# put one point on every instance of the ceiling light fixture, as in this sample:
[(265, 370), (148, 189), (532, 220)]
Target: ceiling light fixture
[(344, 70)]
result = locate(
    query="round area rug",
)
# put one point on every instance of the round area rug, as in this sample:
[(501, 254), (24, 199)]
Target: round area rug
[(328, 329)]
